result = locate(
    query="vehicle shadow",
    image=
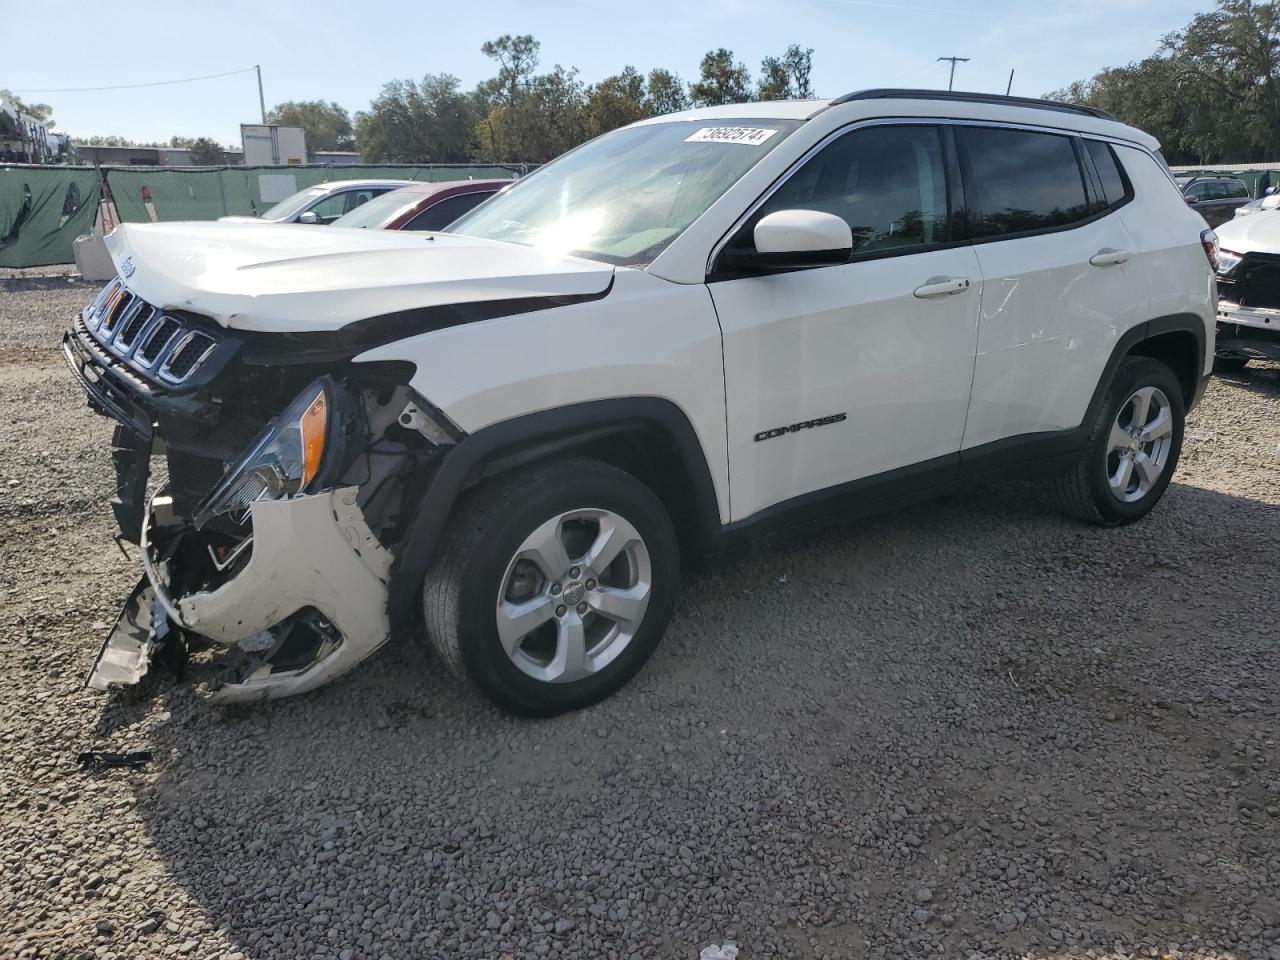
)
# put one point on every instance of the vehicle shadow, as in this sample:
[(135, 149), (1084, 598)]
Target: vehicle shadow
[(972, 726), (1260, 376)]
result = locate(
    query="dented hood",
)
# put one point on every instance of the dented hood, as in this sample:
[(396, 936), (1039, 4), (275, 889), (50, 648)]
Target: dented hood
[(1256, 233), (291, 278)]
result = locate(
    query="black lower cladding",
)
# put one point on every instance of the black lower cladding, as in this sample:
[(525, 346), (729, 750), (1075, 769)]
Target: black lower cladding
[(131, 458), (1255, 281)]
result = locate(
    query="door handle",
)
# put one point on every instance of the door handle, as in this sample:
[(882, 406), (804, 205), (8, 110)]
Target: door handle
[(1108, 256), (942, 287)]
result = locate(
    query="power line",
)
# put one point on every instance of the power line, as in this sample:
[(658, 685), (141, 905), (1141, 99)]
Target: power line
[(134, 86)]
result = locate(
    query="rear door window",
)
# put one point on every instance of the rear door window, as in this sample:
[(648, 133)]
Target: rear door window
[(442, 214), (1021, 181)]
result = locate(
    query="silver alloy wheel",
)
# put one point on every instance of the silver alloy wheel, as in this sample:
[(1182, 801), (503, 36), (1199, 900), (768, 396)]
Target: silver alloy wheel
[(1138, 449), (574, 595)]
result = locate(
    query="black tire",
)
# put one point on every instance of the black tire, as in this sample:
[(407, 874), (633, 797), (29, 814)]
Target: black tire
[(1083, 490), (492, 521), (1229, 364)]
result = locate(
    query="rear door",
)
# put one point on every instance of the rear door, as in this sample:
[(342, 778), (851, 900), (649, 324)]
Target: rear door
[(1058, 285), (841, 373)]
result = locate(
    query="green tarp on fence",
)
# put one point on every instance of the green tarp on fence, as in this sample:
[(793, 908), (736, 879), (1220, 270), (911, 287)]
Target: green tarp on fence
[(209, 194), (42, 210)]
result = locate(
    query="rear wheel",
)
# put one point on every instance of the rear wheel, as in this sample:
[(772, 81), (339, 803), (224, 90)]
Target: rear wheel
[(554, 585), (1133, 447)]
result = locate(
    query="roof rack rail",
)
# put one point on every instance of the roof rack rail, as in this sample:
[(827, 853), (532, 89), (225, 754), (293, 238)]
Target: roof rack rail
[(892, 93)]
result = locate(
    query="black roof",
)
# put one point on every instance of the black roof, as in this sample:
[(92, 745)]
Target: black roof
[(893, 93)]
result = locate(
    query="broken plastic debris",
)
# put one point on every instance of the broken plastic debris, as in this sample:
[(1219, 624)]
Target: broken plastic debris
[(715, 951), (103, 759)]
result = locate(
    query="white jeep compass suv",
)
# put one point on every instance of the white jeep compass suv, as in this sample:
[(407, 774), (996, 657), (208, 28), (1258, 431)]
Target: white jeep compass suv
[(674, 340)]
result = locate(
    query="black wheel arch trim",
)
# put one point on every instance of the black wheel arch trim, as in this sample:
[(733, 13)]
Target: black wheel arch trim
[(510, 443), (1173, 323)]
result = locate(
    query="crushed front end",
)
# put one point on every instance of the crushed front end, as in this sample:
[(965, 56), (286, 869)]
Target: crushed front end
[(1248, 306), (285, 467)]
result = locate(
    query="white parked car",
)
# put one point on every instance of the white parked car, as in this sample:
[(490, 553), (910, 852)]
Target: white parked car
[(676, 340), (323, 203), (1249, 287)]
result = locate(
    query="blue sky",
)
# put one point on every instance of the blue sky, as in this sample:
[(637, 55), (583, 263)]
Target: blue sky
[(346, 51)]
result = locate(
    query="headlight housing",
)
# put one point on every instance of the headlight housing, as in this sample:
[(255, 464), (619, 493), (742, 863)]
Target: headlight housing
[(1227, 261), (284, 460)]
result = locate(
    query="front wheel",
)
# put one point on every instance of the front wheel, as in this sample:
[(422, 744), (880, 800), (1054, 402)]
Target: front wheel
[(1132, 449), (554, 585)]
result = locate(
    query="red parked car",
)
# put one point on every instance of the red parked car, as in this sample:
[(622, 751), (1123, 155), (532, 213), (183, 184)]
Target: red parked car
[(421, 206)]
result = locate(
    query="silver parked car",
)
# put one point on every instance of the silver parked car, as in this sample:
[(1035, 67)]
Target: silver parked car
[(323, 203)]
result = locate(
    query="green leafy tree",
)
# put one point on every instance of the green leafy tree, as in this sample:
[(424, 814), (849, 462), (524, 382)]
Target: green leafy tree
[(327, 125), (546, 118), (614, 102), (665, 93), (110, 140), (206, 153), (799, 64), (41, 111), (786, 77), (412, 122), (1210, 93), (721, 81), (517, 59)]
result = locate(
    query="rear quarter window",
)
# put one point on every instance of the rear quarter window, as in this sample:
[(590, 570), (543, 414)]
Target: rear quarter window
[(1115, 186), (1022, 181)]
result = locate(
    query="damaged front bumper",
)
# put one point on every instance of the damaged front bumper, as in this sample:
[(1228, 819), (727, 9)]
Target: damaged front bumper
[(305, 602), (1244, 332)]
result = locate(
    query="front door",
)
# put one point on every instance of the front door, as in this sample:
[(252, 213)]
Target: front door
[(842, 373)]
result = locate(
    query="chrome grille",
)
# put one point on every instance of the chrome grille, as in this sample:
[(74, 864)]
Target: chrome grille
[(164, 332), (189, 352), (141, 317), (152, 342)]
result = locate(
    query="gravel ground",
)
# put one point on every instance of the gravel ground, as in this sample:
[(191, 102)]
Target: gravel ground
[(973, 728)]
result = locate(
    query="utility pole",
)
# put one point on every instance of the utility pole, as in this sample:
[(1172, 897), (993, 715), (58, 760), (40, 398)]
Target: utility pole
[(954, 61), (262, 101), (1009, 85)]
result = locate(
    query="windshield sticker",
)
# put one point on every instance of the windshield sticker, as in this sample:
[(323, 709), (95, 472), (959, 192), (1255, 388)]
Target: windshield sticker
[(751, 136)]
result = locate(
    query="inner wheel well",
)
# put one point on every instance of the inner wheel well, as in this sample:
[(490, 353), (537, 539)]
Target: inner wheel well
[(1180, 351)]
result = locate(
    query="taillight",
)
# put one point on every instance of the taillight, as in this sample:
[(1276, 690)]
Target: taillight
[(1209, 240)]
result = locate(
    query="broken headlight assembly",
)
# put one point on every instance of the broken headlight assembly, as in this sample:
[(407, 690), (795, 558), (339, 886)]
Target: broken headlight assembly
[(290, 456)]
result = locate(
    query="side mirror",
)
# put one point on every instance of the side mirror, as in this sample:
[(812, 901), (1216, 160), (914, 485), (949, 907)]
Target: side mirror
[(309, 217), (795, 240)]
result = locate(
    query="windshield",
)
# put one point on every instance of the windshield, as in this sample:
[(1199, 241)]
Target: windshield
[(378, 212), (623, 197), (287, 207)]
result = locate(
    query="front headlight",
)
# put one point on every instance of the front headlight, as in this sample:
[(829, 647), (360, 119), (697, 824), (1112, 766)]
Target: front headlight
[(1227, 261), (283, 461)]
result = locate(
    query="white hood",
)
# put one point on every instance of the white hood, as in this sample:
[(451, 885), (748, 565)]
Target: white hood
[(292, 278), (1256, 233)]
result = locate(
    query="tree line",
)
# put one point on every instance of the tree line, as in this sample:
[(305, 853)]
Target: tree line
[(1211, 91), (524, 115), (518, 115)]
